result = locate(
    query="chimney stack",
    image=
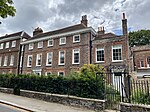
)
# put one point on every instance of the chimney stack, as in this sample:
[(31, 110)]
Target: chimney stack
[(124, 25), (84, 20), (101, 31), (37, 31)]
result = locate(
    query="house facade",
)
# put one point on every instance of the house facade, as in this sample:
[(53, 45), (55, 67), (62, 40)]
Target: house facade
[(10, 52), (60, 51), (141, 60), (68, 49)]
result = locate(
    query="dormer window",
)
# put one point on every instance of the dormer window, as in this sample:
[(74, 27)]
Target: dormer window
[(76, 38), (40, 44), (62, 41)]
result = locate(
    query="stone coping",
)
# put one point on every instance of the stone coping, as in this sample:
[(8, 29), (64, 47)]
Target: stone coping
[(135, 105)]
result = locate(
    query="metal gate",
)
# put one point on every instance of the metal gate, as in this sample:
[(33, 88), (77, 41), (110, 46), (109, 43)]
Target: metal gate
[(117, 89)]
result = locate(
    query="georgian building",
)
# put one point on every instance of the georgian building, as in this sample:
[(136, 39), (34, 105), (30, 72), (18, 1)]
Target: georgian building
[(60, 51), (141, 60), (10, 52), (68, 49)]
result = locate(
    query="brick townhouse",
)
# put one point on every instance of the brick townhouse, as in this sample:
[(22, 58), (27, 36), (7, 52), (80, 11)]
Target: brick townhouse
[(65, 50), (112, 51), (141, 60), (60, 51), (10, 52)]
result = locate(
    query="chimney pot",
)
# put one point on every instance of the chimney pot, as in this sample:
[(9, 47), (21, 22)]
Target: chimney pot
[(124, 16), (84, 20), (37, 31), (101, 30)]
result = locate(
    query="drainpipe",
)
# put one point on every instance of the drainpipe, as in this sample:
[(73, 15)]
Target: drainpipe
[(19, 59), (91, 48)]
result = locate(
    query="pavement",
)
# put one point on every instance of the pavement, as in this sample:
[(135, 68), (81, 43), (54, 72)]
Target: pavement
[(34, 105)]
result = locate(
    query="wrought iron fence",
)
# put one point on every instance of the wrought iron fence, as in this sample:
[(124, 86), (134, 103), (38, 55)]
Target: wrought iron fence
[(140, 91)]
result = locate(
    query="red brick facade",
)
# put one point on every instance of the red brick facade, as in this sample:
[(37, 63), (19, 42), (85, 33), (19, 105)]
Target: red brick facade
[(141, 60), (9, 54), (80, 45)]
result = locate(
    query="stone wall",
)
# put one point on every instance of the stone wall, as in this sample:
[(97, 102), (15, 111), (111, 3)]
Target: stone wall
[(127, 107), (93, 104)]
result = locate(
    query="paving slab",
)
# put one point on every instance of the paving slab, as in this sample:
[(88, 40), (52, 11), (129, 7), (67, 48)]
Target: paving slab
[(35, 105)]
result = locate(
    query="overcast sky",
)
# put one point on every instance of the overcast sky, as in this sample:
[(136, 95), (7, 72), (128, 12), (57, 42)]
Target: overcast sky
[(55, 14)]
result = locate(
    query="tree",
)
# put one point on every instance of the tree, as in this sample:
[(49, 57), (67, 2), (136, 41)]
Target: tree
[(141, 37), (7, 8)]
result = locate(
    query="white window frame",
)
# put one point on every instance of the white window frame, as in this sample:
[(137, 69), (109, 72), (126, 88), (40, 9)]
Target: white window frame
[(47, 64), (5, 61), (28, 61), (148, 65), (61, 72), (141, 64), (12, 60), (49, 45), (1, 45), (40, 44), (60, 41), (7, 45), (74, 39), (21, 61), (13, 43), (30, 46), (60, 57), (117, 47), (37, 57), (46, 73), (99, 49), (0, 60), (73, 54)]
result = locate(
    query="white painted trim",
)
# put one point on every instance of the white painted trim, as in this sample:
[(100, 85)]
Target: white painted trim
[(74, 38), (9, 38), (37, 59), (48, 42), (96, 55), (61, 35), (13, 43), (38, 46), (59, 58), (117, 47), (73, 56), (60, 40), (28, 61), (47, 59), (62, 72)]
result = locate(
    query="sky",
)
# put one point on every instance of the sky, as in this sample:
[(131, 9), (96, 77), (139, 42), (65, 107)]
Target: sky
[(55, 14)]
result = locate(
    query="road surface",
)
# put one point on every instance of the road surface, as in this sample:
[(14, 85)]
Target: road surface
[(6, 108)]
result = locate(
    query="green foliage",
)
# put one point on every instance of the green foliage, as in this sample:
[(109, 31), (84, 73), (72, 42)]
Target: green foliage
[(6, 8), (141, 37), (113, 96), (140, 97)]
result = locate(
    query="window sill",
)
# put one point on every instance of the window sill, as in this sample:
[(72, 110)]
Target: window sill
[(75, 63), (100, 61), (117, 60), (61, 64)]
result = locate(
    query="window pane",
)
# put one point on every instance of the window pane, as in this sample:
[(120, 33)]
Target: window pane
[(100, 54)]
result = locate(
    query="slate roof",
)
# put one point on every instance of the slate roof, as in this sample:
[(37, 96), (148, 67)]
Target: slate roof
[(25, 35), (63, 30)]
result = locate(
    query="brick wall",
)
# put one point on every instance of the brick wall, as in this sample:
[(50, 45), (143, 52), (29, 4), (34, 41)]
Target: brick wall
[(83, 45)]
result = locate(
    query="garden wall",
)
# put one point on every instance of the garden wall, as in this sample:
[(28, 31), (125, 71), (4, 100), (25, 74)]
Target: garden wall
[(93, 104), (127, 107)]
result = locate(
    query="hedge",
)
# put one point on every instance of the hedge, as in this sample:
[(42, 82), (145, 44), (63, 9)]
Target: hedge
[(82, 86)]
